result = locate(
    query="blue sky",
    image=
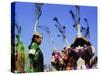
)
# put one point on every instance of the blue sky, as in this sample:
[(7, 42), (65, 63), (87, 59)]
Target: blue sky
[(25, 16)]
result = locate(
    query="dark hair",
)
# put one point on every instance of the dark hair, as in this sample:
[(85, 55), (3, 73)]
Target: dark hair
[(33, 40)]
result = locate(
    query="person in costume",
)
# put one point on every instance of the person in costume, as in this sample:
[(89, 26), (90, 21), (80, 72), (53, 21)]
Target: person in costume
[(82, 52), (21, 56), (64, 56), (67, 59), (35, 53), (56, 60), (21, 53)]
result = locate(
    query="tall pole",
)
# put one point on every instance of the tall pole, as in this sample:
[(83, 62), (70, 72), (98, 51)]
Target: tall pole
[(78, 21), (61, 30), (38, 13)]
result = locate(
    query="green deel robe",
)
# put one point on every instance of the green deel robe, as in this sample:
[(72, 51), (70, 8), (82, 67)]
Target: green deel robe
[(36, 58), (22, 64)]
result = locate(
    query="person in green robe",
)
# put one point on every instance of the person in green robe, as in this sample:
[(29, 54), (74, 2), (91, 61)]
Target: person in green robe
[(21, 56), (35, 53)]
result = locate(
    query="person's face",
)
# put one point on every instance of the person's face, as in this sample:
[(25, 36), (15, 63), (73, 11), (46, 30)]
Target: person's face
[(38, 40)]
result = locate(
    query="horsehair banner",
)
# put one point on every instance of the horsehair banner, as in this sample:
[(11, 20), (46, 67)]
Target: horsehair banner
[(53, 37)]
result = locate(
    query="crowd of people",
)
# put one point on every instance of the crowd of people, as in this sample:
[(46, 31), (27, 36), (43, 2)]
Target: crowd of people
[(76, 57), (80, 55)]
